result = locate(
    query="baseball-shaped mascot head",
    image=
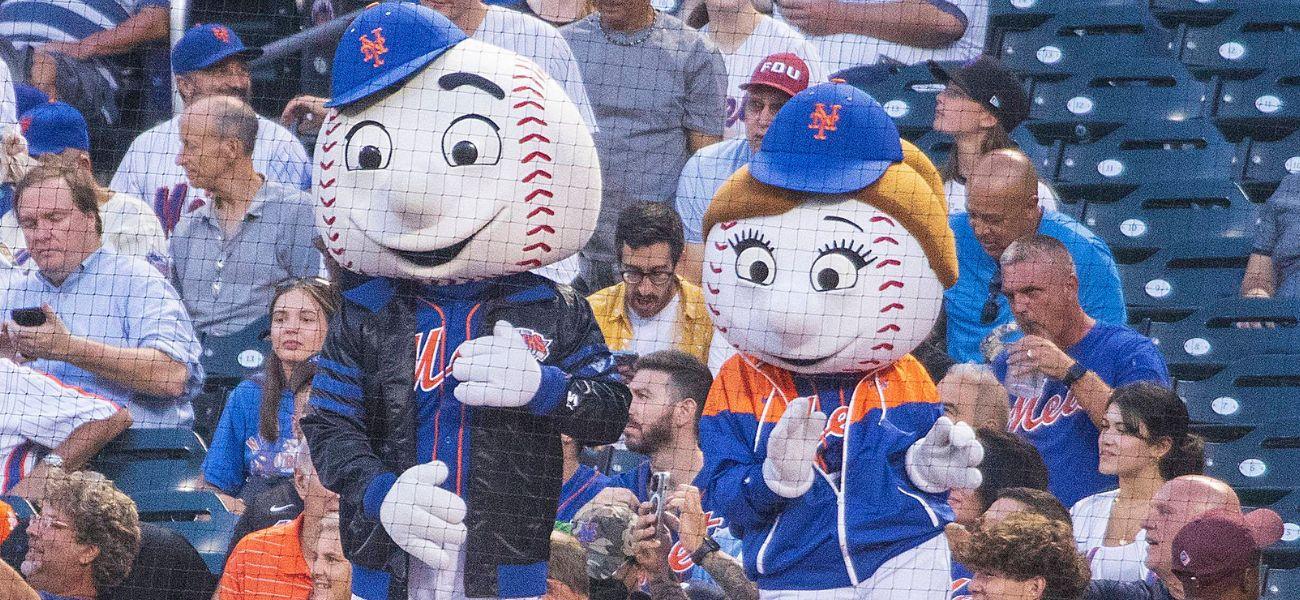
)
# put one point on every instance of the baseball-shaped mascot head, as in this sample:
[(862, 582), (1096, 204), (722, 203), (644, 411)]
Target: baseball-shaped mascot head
[(446, 159), (830, 252)]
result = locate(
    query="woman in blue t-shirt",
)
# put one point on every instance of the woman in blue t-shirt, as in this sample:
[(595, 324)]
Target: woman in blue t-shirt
[(255, 444)]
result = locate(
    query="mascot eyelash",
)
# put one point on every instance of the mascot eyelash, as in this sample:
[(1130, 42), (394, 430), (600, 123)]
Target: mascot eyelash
[(857, 253), (748, 239)]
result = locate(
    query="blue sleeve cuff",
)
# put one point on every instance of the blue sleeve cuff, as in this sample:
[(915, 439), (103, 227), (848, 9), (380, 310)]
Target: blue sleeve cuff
[(555, 382), (762, 500), (375, 493)]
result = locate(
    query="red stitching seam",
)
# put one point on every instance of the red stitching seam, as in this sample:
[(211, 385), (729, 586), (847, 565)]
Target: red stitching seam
[(327, 167), (536, 132)]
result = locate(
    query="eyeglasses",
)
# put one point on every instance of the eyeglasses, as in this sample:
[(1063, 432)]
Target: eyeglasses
[(989, 313), (634, 276), (48, 522)]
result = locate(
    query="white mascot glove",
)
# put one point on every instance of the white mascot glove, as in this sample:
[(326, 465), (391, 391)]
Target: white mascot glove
[(496, 370), (424, 519), (791, 448), (946, 458)]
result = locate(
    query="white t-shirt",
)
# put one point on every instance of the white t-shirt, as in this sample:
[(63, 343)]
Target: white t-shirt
[(36, 409), (130, 228), (1114, 563), (655, 333), (844, 50), (956, 193), (539, 41), (149, 169), (769, 37)]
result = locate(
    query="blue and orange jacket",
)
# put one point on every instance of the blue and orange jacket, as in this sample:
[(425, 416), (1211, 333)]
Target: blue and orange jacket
[(861, 511)]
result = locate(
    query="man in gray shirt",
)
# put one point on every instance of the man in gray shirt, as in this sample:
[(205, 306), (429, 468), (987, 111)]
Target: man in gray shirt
[(1274, 266), (658, 89), (230, 252)]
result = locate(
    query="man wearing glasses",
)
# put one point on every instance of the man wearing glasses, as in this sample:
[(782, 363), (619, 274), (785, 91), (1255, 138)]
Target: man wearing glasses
[(652, 309)]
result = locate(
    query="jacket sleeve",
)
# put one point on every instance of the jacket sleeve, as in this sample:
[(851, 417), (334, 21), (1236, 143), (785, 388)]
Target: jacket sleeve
[(580, 387)]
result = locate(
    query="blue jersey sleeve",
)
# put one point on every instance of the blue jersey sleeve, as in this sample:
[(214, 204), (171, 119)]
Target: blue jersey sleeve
[(226, 464)]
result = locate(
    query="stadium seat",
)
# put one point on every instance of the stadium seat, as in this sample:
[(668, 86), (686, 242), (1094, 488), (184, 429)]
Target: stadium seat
[(198, 516), (1282, 584), (935, 145), (907, 93), (1266, 107), (1100, 96), (1266, 458), (1251, 39), (1146, 151), (1159, 213), (1174, 281), (1213, 337), (1080, 35), (1246, 393), (150, 460), (1268, 163), (239, 354), (1194, 12)]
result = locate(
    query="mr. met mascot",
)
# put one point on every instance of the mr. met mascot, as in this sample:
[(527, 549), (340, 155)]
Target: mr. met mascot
[(447, 169), (825, 265)]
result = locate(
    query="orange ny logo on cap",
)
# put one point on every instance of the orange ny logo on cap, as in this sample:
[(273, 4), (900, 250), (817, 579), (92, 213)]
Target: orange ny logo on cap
[(823, 121), (222, 34), (372, 49)]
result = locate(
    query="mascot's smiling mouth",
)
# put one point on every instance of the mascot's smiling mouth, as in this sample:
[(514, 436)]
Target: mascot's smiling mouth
[(441, 256), (802, 362)]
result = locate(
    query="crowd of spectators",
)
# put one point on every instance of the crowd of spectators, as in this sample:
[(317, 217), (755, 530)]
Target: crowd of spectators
[(111, 294)]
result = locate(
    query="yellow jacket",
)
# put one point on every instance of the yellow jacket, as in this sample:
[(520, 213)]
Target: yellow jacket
[(694, 329)]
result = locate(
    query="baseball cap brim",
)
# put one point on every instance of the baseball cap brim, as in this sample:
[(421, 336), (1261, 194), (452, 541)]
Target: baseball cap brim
[(382, 82), (816, 174), (246, 54), (785, 90)]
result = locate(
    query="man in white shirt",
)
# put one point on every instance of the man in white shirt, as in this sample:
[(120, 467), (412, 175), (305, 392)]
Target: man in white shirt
[(209, 60)]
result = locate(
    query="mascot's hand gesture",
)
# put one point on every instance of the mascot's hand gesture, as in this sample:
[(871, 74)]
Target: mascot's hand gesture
[(496, 370), (422, 518), (945, 458), (792, 447)]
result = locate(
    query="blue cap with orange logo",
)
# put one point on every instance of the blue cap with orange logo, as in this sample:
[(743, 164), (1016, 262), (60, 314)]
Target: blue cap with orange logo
[(206, 45), (831, 138), (385, 43), (53, 127)]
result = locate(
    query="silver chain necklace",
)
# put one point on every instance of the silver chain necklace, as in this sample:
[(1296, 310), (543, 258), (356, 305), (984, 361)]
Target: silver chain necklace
[(637, 42)]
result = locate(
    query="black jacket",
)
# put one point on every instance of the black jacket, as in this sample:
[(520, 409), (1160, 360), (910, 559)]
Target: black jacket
[(362, 429)]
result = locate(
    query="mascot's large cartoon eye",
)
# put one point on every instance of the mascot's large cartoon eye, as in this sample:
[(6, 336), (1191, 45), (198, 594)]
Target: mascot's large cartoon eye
[(836, 266), (367, 147), (472, 140), (754, 260)]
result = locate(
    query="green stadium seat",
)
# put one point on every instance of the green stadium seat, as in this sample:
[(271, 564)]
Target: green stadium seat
[(1213, 337), (1282, 584), (152, 460), (1100, 96), (1141, 152), (1157, 214), (238, 355), (1256, 36), (1267, 163), (1245, 394), (907, 93), (1194, 12), (1266, 458), (1172, 282), (1078, 36), (1266, 107), (198, 516)]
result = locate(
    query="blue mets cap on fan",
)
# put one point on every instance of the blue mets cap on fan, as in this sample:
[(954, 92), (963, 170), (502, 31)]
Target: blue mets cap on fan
[(206, 45), (831, 138), (385, 43)]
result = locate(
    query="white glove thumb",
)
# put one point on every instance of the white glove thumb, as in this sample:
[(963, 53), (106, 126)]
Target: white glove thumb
[(496, 370), (945, 458), (792, 447), (422, 518)]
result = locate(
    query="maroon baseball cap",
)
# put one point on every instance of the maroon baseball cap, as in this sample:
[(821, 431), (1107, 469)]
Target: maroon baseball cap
[(783, 71), (1222, 543)]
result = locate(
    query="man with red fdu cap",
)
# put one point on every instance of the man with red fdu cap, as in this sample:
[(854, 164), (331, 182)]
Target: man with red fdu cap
[(1216, 557)]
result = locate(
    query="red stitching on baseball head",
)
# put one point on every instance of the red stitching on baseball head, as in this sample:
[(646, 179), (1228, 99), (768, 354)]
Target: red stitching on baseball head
[(891, 283), (536, 173), (536, 155), (892, 306)]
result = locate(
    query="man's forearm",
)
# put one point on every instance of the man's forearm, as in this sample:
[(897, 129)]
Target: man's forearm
[(916, 23), (88, 439), (145, 370), (730, 576), (665, 587), (1093, 395), (145, 26)]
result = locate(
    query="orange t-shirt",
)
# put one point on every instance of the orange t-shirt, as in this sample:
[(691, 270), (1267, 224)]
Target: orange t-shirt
[(268, 565)]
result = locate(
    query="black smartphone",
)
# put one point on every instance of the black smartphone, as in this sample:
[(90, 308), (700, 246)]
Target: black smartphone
[(28, 317)]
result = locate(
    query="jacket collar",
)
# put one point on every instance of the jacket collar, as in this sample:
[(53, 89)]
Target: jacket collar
[(690, 300), (520, 288)]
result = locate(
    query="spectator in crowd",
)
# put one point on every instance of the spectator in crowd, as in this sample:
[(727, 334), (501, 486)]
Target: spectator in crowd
[(981, 103), (1025, 557), (1082, 360), (297, 560), (747, 40), (1144, 442), (653, 308), (1178, 502), (1274, 266), (1014, 500), (566, 572), (209, 60), (1002, 208), (229, 254), (166, 568), (57, 132), (254, 446), (658, 89), (72, 47), (971, 394), (772, 83), (26, 97), (110, 324), (45, 424), (581, 482), (83, 541), (1219, 556), (556, 13), (850, 34)]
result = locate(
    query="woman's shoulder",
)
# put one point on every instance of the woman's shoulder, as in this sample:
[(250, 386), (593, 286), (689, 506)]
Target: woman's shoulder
[(248, 391), (1096, 505)]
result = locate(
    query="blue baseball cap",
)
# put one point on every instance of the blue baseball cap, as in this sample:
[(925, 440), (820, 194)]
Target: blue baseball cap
[(53, 127), (206, 45), (831, 138), (28, 97), (385, 43)]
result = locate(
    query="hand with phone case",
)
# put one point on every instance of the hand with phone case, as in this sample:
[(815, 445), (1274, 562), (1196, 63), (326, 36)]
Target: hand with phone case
[(39, 333)]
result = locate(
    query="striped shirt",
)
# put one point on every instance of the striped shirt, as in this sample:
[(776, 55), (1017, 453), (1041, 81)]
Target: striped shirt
[(27, 23), (268, 564)]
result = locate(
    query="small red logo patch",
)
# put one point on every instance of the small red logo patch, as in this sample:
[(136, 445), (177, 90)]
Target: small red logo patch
[(25, 124), (823, 121), (538, 346), (372, 50), (222, 34)]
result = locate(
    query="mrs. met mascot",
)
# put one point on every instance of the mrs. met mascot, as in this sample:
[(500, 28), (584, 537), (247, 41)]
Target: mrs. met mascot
[(447, 170), (825, 264)]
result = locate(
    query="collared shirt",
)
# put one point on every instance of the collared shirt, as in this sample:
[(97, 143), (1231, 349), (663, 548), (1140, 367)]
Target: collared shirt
[(119, 301), (703, 174), (227, 283), (694, 329), (269, 565), (1278, 235)]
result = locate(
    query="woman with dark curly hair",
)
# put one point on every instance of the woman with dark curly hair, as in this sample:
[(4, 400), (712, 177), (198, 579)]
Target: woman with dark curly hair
[(1025, 557)]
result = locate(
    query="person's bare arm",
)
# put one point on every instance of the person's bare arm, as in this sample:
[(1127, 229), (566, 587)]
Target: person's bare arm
[(917, 23), (232, 504), (1039, 354), (691, 266), (150, 24), (1261, 277), (13, 586), (696, 140), (80, 446), (727, 571)]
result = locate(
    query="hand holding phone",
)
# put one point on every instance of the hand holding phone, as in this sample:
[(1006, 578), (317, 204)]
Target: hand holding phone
[(28, 317), (660, 491)]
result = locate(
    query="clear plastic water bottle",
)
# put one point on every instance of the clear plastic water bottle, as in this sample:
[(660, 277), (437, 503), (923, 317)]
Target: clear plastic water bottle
[(1028, 385)]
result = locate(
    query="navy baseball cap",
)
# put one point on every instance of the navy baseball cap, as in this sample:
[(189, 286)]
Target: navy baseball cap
[(28, 97), (385, 43), (54, 127), (831, 138), (206, 45)]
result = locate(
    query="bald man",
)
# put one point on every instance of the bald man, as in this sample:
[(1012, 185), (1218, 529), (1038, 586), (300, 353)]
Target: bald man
[(1082, 359), (1002, 206), (231, 249)]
